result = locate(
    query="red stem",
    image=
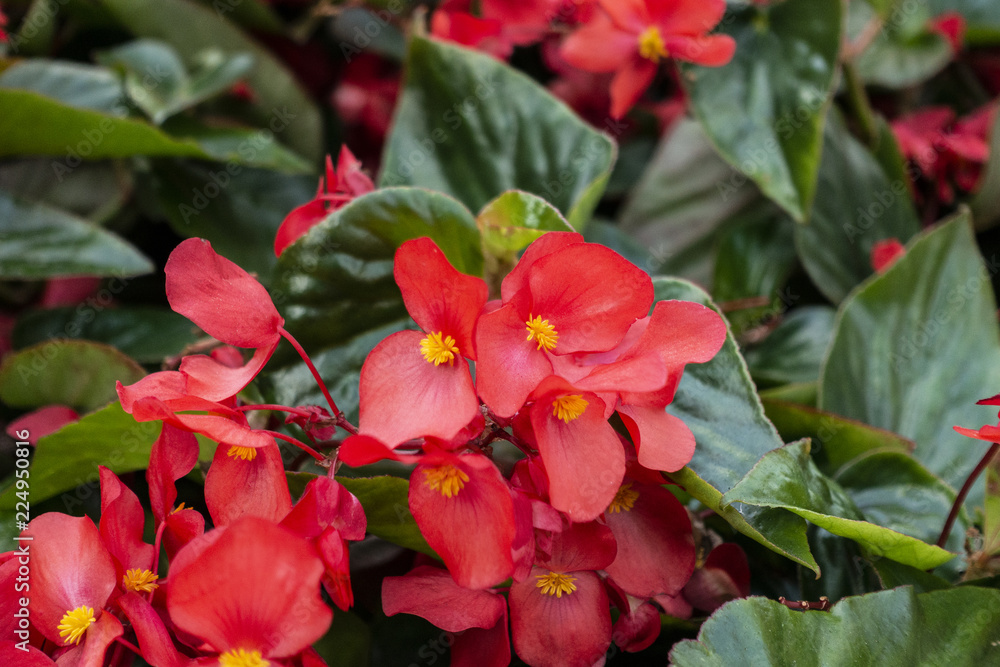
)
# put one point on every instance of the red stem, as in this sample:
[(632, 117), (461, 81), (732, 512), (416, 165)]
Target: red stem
[(129, 645), (312, 369), (960, 498), (275, 408), (301, 445)]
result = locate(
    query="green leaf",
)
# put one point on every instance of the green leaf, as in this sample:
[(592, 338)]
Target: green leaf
[(94, 190), (336, 282), (895, 628), (37, 241), (157, 81), (856, 207), (718, 403), (991, 513), (836, 441), (508, 225), (893, 490), (755, 258), (144, 333), (280, 103), (904, 53), (788, 479), (472, 127), (80, 374), (236, 208), (794, 351), (986, 202), (916, 347), (764, 111), (69, 457), (74, 84), (387, 508), (683, 199)]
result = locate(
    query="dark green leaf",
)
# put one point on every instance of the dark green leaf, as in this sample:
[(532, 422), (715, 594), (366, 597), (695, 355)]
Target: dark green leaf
[(682, 201), (77, 373), (469, 126), (904, 52), (896, 628), (794, 351), (69, 457), (37, 241), (836, 440), (280, 102), (336, 282), (236, 208), (764, 111), (856, 206), (718, 403), (916, 347), (94, 190), (74, 84), (986, 202), (788, 479), (146, 334)]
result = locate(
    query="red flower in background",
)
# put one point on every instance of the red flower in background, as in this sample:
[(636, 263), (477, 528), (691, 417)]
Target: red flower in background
[(365, 100), (885, 253), (951, 26), (336, 189), (501, 25), (3, 24), (632, 37)]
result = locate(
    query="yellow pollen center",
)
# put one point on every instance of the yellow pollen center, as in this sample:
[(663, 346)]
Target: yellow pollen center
[(178, 509), (446, 479), (242, 453), (140, 581), (75, 623), (439, 349), (542, 332), (238, 657), (624, 499), (651, 46), (568, 408), (556, 584)]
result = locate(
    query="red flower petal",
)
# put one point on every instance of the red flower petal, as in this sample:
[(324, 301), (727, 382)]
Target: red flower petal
[(220, 297), (573, 629), (656, 552), (686, 16), (297, 223), (517, 279), (473, 493), (583, 458), (636, 629), (154, 639), (431, 593), (209, 379), (326, 503), (599, 46), (630, 83), (438, 297), (70, 567), (724, 577), (483, 648), (222, 596), (662, 441), (508, 367), (404, 396), (707, 50), (122, 523), (174, 454), (235, 487), (42, 422), (631, 15), (582, 546)]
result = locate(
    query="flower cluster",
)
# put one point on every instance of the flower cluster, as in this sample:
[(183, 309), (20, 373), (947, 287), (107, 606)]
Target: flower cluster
[(582, 520)]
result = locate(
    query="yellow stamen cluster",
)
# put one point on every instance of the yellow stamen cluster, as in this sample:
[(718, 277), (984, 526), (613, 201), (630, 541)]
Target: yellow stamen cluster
[(242, 453), (439, 349), (568, 408), (140, 581), (75, 623), (238, 657), (624, 500), (446, 479), (555, 583), (178, 509), (651, 45), (542, 332)]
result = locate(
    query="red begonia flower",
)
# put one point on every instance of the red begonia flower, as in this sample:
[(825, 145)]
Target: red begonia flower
[(251, 589), (637, 627), (631, 37), (3, 24), (417, 384), (336, 189), (951, 26), (153, 637), (568, 297), (583, 456), (449, 493), (559, 615), (885, 253), (725, 576), (43, 421), (247, 482), (656, 553), (477, 617), (72, 579), (121, 529)]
